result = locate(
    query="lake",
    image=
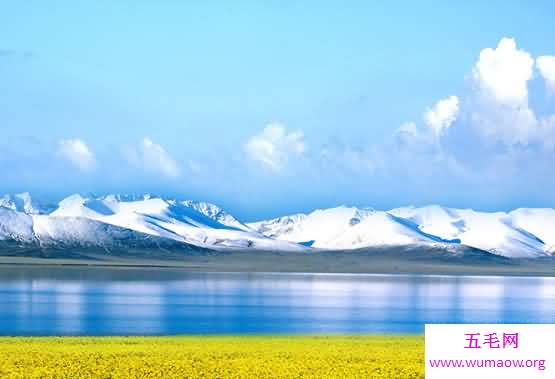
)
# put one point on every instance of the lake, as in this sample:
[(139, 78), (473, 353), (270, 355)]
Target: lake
[(102, 301)]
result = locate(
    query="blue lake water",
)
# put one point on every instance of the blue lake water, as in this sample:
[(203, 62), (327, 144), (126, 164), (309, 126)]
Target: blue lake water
[(166, 302)]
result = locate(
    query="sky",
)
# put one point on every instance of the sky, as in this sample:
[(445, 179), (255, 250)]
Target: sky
[(274, 107)]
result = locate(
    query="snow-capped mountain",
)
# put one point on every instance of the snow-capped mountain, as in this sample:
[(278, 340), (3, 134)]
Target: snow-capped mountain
[(216, 213), (496, 232), (347, 228), (22, 202), (76, 231), (521, 233), (124, 220), (52, 231), (16, 226), (540, 222), (111, 219), (278, 227)]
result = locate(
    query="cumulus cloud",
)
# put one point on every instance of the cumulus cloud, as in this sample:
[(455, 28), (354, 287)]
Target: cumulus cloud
[(437, 120), (503, 73), (511, 126), (495, 112), (497, 133), (274, 146), (546, 67), (440, 117), (411, 138), (77, 153), (547, 131), (408, 129), (499, 109), (152, 157)]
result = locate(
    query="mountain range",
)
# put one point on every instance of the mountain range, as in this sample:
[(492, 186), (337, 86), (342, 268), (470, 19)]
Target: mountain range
[(157, 222)]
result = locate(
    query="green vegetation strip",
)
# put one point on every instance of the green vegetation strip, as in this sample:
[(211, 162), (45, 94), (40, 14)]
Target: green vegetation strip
[(212, 357)]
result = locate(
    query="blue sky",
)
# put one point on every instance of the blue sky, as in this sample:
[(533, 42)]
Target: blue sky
[(274, 107)]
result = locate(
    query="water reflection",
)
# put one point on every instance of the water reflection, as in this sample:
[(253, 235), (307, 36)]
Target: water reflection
[(58, 302)]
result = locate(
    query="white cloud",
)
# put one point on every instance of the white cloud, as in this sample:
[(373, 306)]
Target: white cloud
[(495, 113), (547, 132), (152, 157), (503, 73), (499, 108), (437, 120), (410, 138), (78, 153), (440, 117), (408, 128), (546, 66), (274, 146), (512, 126)]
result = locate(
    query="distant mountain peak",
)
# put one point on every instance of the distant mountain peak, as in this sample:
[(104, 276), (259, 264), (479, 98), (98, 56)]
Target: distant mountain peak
[(85, 218), (22, 202), (521, 233), (215, 213)]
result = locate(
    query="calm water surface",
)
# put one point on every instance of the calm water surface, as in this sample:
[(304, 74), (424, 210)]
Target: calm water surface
[(73, 301)]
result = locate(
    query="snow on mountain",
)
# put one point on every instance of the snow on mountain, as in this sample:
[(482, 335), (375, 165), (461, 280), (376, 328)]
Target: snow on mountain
[(216, 213), (277, 227), (190, 222), (16, 226), (521, 234), (51, 231), (20, 202), (77, 231), (69, 230), (346, 228), (129, 220), (540, 222), (495, 232), (434, 219)]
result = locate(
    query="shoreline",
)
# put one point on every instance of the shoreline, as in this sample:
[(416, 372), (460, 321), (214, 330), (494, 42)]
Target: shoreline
[(353, 263)]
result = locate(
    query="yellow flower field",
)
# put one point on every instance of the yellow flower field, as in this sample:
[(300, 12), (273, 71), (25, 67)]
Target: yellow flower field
[(212, 357)]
